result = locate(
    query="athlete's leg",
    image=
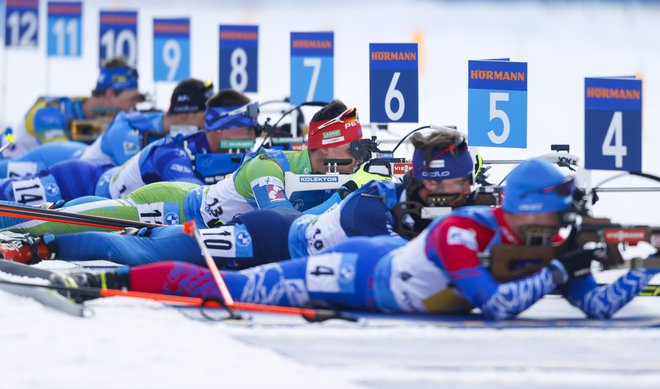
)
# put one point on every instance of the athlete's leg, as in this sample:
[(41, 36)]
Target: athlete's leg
[(84, 200), (340, 279), (34, 189), (62, 181), (162, 202), (40, 158), (163, 243), (269, 232), (76, 178)]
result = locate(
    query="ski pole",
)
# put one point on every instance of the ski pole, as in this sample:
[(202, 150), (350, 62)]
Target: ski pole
[(9, 137), (310, 314), (190, 228)]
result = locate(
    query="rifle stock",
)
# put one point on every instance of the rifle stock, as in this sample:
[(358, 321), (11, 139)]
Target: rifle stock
[(509, 262)]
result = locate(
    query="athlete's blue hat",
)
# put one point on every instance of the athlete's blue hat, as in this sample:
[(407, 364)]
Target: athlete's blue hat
[(117, 79), (536, 186), (454, 161), (227, 118)]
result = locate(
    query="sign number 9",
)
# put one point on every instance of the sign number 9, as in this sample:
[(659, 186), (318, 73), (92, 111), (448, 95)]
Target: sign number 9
[(171, 57)]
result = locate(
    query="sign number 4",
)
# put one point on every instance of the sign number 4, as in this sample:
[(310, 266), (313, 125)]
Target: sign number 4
[(615, 133)]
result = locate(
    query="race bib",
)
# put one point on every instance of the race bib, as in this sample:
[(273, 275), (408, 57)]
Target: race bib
[(29, 191), (228, 241), (159, 213), (325, 231), (331, 273)]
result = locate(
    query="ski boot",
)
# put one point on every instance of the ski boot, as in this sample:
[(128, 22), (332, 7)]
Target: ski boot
[(25, 248), (88, 283)]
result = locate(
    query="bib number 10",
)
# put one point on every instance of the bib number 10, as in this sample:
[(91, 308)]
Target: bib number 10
[(613, 142)]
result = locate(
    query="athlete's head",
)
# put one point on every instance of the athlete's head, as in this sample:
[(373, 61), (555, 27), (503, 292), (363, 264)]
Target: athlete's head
[(117, 86), (441, 177), (229, 118), (537, 197), (334, 133), (188, 102), (442, 169)]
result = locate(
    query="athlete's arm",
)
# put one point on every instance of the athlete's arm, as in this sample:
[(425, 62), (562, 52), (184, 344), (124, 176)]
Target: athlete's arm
[(262, 180), (604, 301), (454, 244)]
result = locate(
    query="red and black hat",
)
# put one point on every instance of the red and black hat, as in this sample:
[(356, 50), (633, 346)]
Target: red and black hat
[(340, 130)]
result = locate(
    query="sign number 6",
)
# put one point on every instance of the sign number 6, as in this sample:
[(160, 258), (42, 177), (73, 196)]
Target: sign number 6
[(394, 94)]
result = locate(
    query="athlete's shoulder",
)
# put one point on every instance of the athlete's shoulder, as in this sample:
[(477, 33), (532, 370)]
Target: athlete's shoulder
[(470, 226)]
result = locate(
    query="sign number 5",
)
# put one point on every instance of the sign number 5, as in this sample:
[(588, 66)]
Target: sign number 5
[(499, 114)]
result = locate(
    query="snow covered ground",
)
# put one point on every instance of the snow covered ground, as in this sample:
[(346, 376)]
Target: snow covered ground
[(137, 344), (144, 345)]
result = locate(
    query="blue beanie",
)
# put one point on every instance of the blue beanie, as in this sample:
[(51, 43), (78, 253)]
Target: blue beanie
[(536, 186)]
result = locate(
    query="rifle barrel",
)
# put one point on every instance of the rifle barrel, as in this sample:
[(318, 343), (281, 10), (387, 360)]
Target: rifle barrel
[(628, 189)]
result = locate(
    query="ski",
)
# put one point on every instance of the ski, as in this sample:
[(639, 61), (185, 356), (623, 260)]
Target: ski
[(456, 321), (59, 216), (45, 296)]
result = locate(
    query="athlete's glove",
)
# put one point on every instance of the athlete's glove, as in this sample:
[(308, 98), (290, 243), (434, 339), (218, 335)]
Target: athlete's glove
[(576, 260), (365, 173)]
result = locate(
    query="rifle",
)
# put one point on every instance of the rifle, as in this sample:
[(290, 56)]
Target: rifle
[(508, 262)]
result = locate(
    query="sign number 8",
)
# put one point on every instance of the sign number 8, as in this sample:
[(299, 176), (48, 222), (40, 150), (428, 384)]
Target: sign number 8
[(238, 77)]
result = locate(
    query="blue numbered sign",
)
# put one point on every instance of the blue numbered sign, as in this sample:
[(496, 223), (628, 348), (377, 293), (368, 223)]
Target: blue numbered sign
[(497, 103), (312, 66), (239, 58), (171, 49), (64, 29), (393, 82), (118, 36), (21, 23), (613, 124)]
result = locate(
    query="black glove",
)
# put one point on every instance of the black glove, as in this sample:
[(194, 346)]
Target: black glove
[(577, 262)]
